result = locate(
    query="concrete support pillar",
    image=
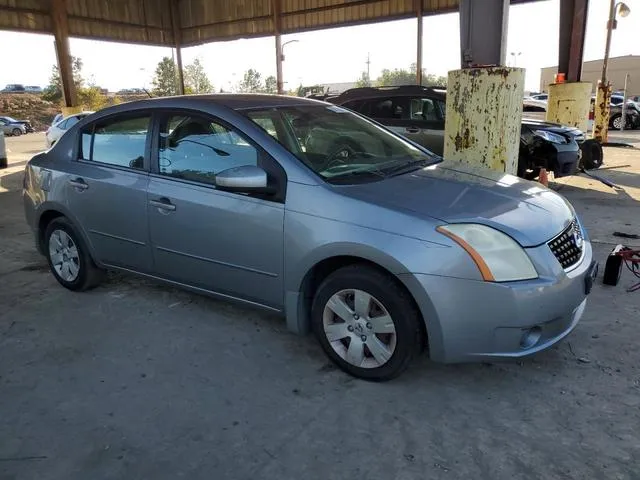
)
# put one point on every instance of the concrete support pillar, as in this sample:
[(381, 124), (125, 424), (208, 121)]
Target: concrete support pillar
[(569, 104), (601, 112), (60, 25), (483, 117)]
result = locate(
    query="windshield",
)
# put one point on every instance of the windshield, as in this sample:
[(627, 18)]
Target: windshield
[(338, 144)]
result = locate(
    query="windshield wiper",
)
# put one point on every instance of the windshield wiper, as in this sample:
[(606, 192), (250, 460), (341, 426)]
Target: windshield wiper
[(357, 173), (407, 167)]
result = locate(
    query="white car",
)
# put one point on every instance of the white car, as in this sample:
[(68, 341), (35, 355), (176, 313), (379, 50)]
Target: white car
[(56, 131)]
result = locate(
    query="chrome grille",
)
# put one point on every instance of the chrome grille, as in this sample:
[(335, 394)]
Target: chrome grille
[(567, 247)]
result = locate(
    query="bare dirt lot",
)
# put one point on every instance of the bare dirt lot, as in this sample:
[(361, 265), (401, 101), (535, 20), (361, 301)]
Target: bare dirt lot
[(139, 381)]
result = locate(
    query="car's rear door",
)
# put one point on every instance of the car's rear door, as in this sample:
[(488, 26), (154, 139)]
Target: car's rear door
[(228, 243), (106, 189)]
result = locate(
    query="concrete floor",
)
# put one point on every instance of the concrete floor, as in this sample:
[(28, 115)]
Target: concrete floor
[(139, 381)]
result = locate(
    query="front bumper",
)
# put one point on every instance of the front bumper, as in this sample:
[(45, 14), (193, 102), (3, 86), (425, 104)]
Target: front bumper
[(470, 320), (567, 162)]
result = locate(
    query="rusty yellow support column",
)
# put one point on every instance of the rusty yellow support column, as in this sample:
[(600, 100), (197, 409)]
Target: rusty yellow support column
[(601, 112), (569, 104), (483, 118)]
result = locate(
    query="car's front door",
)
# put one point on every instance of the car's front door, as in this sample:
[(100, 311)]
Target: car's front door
[(106, 190), (228, 243)]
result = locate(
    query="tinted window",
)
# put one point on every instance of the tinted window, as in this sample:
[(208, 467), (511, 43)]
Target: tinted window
[(194, 148), (118, 142), (388, 108), (424, 109), (63, 125), (70, 122)]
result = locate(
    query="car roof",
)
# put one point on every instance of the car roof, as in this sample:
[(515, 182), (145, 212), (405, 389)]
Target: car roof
[(385, 91), (233, 101)]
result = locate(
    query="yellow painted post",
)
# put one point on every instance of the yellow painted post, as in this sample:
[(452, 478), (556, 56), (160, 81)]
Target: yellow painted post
[(569, 104), (483, 117), (601, 112)]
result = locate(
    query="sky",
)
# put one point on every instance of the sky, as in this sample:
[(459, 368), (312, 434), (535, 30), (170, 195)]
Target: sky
[(326, 56)]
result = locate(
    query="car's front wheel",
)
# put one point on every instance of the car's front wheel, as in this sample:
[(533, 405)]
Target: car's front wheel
[(366, 323), (68, 258), (16, 132)]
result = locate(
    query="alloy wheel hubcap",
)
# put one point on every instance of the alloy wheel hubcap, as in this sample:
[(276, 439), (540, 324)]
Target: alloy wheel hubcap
[(617, 123), (359, 328), (64, 255)]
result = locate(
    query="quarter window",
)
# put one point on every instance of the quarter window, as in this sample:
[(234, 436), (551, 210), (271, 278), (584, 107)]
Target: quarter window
[(118, 142), (197, 149)]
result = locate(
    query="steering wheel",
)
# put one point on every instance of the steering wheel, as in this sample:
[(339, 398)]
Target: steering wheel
[(341, 154)]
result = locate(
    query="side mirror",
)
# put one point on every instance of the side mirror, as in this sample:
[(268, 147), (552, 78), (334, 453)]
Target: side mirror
[(244, 179)]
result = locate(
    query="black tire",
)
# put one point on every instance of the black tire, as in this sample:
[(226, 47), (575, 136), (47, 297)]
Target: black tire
[(613, 119), (592, 155), (398, 303), (16, 132), (89, 275)]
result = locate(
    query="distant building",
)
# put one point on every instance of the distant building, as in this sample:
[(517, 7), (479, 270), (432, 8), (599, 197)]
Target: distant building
[(592, 72)]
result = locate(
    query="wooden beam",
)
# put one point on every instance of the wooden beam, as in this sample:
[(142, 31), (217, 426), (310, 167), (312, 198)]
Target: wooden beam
[(277, 27), (177, 41), (60, 24), (419, 46)]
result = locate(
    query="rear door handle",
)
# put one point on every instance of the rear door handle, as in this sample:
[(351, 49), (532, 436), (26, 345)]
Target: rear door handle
[(164, 204), (78, 183), (413, 130)]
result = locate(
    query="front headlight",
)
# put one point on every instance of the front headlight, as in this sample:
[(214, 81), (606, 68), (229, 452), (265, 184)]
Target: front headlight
[(498, 257), (551, 137)]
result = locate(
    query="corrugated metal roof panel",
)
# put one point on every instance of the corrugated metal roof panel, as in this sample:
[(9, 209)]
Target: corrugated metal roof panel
[(28, 15), (201, 21)]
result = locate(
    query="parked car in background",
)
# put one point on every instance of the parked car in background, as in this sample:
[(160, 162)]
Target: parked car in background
[(12, 128), (419, 114), (540, 96), (531, 105), (14, 88), (33, 89), (28, 128), (56, 131), (382, 248), (632, 113)]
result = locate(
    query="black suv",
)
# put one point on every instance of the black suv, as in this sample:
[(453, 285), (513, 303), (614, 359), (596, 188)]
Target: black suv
[(418, 113)]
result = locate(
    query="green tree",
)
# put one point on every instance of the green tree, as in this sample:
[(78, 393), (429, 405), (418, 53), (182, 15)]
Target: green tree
[(165, 79), (53, 92), (401, 76), (251, 82), (270, 84), (195, 78), (364, 80)]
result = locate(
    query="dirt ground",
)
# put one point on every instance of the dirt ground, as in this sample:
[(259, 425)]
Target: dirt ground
[(139, 381)]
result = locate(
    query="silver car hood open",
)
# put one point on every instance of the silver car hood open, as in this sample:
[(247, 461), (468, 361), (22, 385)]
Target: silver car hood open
[(453, 192)]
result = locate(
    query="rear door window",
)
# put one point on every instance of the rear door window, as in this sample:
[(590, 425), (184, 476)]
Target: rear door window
[(119, 141)]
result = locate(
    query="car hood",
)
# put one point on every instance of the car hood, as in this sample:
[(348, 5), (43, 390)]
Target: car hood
[(454, 193), (551, 127)]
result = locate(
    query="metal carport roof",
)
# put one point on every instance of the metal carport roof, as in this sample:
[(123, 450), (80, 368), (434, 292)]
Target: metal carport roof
[(201, 21)]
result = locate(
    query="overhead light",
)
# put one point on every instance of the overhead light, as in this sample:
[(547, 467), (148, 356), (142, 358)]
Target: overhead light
[(623, 9)]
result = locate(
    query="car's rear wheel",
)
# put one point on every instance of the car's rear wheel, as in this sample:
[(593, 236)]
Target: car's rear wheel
[(616, 122), (16, 132), (366, 323), (68, 257)]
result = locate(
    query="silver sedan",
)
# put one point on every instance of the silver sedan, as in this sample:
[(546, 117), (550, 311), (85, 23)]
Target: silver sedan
[(303, 208)]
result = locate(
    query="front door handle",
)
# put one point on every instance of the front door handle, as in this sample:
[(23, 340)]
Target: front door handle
[(413, 130), (163, 204), (78, 183)]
